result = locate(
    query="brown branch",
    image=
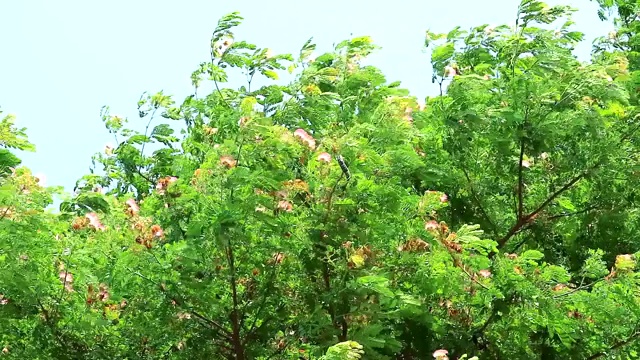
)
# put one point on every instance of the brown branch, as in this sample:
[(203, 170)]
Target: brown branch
[(224, 332), (559, 192), (526, 219), (4, 213), (514, 230), (326, 271), (526, 227)]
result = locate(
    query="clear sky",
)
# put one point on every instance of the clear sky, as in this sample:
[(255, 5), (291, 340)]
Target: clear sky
[(61, 61)]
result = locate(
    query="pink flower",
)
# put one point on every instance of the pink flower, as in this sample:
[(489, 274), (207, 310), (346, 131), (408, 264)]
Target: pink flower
[(133, 207), (444, 198), (228, 161), (243, 121), (163, 183), (223, 45), (108, 149), (157, 231), (441, 354), (407, 114), (450, 71), (485, 273), (431, 225), (324, 157), (285, 205), (94, 221), (67, 280), (489, 29), (306, 138), (41, 179)]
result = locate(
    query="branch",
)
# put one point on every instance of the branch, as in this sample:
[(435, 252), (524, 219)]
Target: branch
[(520, 182), (473, 277), (191, 310), (559, 192), (330, 198), (210, 322), (221, 96), (526, 219), (577, 289), (238, 346), (477, 200), (146, 130), (5, 212), (593, 207), (142, 175), (253, 327), (214, 80), (616, 346), (458, 263)]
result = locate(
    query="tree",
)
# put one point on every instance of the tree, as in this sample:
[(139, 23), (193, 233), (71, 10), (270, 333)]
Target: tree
[(497, 219)]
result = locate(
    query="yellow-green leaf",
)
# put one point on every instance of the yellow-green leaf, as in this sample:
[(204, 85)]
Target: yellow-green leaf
[(271, 74)]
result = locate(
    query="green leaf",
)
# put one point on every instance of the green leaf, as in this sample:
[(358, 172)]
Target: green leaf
[(138, 139), (533, 255), (566, 203), (8, 160), (270, 74), (379, 284), (307, 49), (162, 130), (225, 24), (13, 137)]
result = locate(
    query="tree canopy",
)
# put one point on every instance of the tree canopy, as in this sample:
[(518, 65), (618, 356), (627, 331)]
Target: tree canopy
[(339, 217)]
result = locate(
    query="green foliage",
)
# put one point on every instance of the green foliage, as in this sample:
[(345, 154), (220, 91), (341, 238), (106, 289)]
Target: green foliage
[(338, 217), (344, 350)]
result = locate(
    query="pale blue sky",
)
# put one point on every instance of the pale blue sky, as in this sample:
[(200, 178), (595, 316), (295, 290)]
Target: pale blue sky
[(63, 60)]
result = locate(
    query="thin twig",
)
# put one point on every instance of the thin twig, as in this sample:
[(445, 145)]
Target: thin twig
[(593, 207), (577, 289), (616, 346), (520, 182), (477, 200), (252, 328), (191, 310), (146, 130)]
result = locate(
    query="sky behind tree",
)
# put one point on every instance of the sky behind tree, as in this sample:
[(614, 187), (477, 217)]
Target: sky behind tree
[(63, 60)]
